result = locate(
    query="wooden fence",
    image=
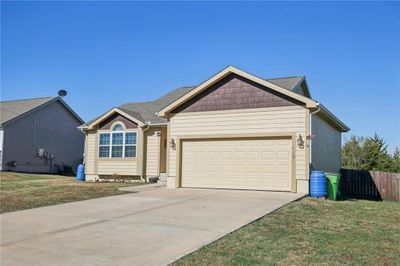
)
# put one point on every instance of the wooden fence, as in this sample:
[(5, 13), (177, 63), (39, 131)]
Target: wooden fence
[(370, 184)]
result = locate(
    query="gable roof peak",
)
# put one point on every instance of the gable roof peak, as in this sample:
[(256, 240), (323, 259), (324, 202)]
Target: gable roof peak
[(233, 70), (14, 109)]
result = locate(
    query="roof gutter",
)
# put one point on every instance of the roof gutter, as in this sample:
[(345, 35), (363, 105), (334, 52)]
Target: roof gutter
[(82, 128), (334, 118), (156, 124)]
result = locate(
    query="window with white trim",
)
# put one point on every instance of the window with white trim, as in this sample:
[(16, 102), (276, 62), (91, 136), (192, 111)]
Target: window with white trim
[(119, 143), (104, 145), (130, 144)]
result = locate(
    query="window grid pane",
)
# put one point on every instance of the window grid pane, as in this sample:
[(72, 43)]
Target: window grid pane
[(117, 138), (104, 139), (104, 151), (130, 151), (130, 138), (116, 151)]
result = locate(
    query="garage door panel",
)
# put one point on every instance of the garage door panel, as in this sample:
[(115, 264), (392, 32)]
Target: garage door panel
[(283, 155), (213, 155), (263, 164), (254, 169), (282, 169)]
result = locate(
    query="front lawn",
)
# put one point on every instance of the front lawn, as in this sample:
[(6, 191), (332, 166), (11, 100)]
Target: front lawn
[(312, 231), (19, 191)]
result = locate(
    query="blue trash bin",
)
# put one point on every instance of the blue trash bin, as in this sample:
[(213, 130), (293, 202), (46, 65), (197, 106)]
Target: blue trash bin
[(318, 186), (80, 173)]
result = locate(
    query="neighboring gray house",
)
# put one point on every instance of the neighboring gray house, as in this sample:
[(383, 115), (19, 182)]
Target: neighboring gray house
[(39, 135)]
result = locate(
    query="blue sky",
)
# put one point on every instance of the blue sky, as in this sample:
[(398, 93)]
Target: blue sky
[(109, 53)]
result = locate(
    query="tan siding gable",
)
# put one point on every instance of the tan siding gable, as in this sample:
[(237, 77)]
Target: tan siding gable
[(250, 121)]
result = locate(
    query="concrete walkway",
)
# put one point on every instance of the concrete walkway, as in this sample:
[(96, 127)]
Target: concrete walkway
[(153, 226)]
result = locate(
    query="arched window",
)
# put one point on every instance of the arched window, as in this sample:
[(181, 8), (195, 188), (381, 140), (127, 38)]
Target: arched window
[(119, 143), (118, 127)]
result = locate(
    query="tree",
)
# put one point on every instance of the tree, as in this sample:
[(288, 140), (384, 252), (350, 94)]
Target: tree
[(369, 154), (353, 154), (396, 161), (377, 157)]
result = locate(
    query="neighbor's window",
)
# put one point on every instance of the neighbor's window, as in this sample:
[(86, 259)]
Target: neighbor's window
[(118, 143)]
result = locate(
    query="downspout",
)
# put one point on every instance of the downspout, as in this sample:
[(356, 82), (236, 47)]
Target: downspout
[(1, 147), (84, 145), (310, 145), (144, 129)]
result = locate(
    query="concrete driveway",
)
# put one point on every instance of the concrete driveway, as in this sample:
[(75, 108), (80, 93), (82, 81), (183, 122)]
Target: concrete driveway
[(153, 226)]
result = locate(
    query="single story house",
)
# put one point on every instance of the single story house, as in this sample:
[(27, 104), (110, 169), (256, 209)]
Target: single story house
[(234, 130), (39, 135)]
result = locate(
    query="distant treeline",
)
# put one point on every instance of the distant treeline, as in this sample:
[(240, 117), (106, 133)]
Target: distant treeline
[(369, 153)]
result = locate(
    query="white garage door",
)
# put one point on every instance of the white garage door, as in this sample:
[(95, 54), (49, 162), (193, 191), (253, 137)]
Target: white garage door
[(259, 164)]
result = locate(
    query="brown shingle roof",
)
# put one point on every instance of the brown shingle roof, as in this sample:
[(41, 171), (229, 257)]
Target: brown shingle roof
[(147, 111), (289, 83)]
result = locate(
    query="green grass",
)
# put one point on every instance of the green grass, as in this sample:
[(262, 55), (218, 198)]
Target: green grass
[(312, 232), (19, 191)]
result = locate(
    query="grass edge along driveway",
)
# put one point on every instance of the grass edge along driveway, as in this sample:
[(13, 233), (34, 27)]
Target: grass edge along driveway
[(20, 191), (311, 232)]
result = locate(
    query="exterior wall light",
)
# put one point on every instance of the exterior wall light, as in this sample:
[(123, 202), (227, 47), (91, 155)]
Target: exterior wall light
[(300, 142), (172, 144)]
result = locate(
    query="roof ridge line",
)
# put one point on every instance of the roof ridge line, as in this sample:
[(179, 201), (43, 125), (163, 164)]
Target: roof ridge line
[(286, 77), (135, 103), (29, 99), (153, 101)]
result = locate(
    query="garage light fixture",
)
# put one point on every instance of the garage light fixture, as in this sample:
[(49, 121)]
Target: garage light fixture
[(172, 144), (300, 142)]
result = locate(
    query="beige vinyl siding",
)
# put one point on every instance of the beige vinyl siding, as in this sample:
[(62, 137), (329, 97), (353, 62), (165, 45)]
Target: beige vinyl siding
[(118, 166), (326, 146), (110, 166), (152, 152), (107, 166), (90, 152), (249, 121)]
